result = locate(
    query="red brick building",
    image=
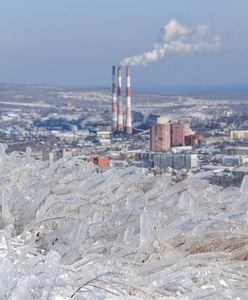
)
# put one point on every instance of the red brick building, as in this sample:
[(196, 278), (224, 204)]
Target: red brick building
[(193, 140), (101, 161), (178, 132), (160, 137)]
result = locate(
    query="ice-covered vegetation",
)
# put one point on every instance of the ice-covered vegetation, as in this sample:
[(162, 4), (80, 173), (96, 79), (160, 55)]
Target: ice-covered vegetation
[(70, 232)]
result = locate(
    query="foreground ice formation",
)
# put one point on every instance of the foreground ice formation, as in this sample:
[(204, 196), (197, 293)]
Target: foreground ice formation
[(69, 232)]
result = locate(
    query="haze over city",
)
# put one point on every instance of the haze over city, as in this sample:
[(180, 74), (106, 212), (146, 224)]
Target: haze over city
[(72, 43)]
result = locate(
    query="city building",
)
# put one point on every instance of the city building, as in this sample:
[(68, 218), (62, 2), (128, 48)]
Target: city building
[(236, 150), (52, 155), (160, 137), (232, 160), (164, 135), (103, 137), (191, 161), (193, 140), (176, 161), (178, 132), (101, 161), (179, 161), (157, 119), (238, 134)]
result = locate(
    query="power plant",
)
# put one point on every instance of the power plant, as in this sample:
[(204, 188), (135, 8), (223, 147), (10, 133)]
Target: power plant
[(120, 125), (114, 99), (117, 104), (129, 129)]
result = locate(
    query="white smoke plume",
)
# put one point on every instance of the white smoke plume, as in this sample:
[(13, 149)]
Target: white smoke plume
[(176, 38)]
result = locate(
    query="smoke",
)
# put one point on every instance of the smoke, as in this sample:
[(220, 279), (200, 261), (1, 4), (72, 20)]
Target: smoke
[(176, 38)]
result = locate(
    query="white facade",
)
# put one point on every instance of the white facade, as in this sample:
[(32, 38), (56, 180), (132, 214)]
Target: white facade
[(176, 161)]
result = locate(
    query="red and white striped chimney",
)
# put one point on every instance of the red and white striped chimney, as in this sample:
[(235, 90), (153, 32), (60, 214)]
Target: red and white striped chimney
[(120, 107), (114, 100), (129, 128)]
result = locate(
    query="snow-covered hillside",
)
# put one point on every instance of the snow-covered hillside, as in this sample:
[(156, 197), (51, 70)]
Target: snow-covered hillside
[(69, 232)]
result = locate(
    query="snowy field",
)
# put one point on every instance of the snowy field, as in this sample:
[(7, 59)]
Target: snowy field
[(68, 232)]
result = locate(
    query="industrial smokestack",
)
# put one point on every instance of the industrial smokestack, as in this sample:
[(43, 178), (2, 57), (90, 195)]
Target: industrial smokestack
[(114, 100), (176, 38), (129, 128), (120, 107)]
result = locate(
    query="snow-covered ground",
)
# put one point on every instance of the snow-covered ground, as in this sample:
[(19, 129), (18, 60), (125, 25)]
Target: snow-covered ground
[(102, 96), (69, 232)]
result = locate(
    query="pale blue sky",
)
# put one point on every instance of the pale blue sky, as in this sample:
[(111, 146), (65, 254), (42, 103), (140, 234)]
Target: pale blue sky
[(75, 42)]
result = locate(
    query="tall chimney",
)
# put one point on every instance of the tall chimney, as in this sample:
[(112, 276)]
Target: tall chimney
[(120, 107), (129, 128), (114, 100)]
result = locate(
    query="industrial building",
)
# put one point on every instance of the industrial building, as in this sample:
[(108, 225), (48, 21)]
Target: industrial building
[(128, 128), (117, 103), (114, 100), (120, 125)]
